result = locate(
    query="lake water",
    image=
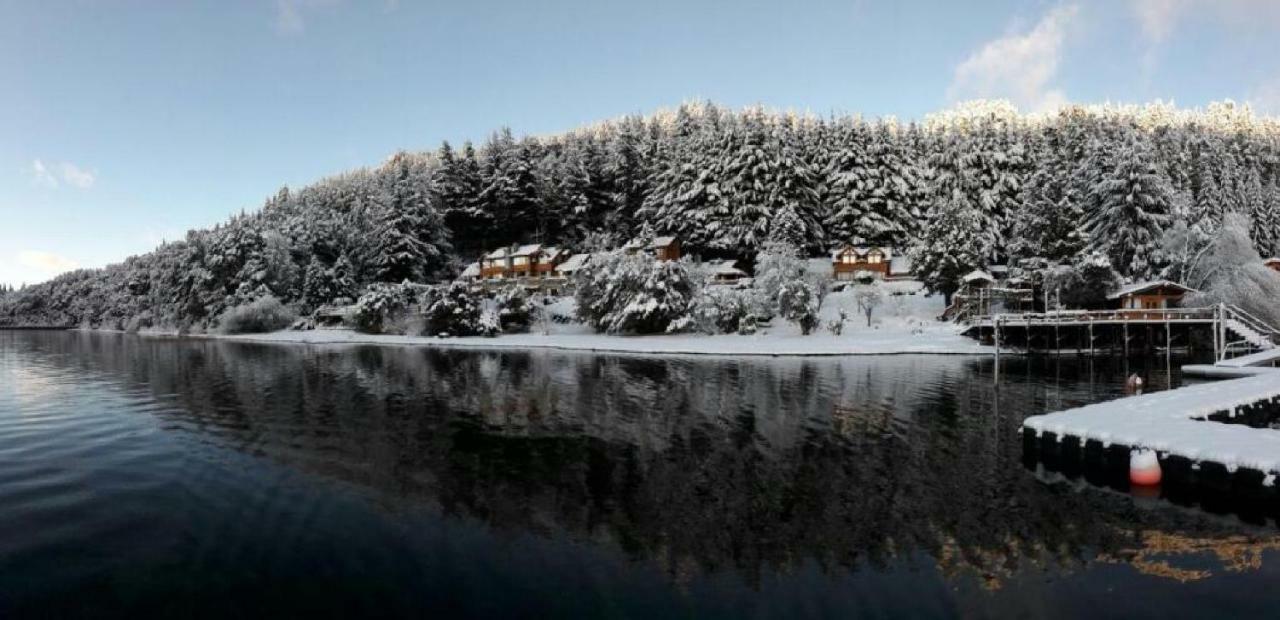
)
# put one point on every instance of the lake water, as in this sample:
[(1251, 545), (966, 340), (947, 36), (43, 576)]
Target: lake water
[(202, 478)]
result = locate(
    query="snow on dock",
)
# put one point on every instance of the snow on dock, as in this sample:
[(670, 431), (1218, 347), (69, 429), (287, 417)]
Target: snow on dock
[(1178, 422), (1266, 356)]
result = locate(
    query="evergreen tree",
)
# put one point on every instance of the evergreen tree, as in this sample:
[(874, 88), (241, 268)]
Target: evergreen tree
[(1128, 208)]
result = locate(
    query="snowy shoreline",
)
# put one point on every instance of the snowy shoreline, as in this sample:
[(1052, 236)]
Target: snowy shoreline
[(937, 341)]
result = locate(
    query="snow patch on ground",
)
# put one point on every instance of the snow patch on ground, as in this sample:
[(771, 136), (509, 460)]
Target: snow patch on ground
[(905, 323), (940, 340)]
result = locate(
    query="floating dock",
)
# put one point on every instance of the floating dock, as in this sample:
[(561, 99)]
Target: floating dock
[(1217, 437)]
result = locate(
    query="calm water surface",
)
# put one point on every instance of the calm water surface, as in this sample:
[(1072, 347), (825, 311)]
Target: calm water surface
[(195, 478)]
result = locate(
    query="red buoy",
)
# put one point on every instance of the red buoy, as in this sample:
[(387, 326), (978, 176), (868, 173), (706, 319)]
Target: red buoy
[(1144, 467)]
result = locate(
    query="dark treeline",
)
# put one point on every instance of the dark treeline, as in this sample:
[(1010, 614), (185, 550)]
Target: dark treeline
[(962, 190)]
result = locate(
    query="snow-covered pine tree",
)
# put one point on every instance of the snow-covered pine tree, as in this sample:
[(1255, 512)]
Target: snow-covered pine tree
[(764, 172), (1047, 223), (686, 188), (1128, 209), (455, 192)]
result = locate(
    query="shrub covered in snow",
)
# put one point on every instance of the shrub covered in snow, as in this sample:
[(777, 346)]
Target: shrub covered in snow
[(798, 301), (456, 311), (777, 264), (620, 293), (515, 312), (1229, 270), (1083, 284), (722, 310), (265, 314), (388, 308), (869, 297)]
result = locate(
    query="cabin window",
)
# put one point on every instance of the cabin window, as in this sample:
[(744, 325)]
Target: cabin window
[(849, 259), (520, 261), (875, 258)]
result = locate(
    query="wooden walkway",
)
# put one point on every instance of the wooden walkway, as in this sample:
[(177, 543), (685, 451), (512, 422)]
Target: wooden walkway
[(1230, 329)]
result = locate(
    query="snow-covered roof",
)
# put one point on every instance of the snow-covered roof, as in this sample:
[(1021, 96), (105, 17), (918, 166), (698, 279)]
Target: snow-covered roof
[(1141, 287), (658, 242), (726, 268), (527, 250), (574, 263), (998, 269), (977, 274), (552, 253), (496, 254), (472, 271), (862, 251)]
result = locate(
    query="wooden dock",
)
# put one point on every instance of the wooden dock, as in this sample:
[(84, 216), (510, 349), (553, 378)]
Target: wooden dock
[(1228, 330)]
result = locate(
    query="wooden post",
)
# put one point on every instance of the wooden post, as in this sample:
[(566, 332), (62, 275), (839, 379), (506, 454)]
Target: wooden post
[(1214, 326), (1126, 338), (996, 338), (1090, 337)]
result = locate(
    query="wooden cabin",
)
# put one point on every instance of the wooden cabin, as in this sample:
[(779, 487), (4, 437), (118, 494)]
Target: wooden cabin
[(853, 262), (571, 265), (495, 265), (1272, 263), (726, 272), (523, 261), (335, 316), (661, 248), (1153, 295)]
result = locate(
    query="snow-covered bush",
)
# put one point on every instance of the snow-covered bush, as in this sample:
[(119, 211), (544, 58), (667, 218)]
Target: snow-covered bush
[(1084, 284), (836, 325), (515, 312), (798, 301), (1230, 271), (777, 264), (456, 311), (265, 314), (721, 310), (388, 308), (620, 293), (869, 297)]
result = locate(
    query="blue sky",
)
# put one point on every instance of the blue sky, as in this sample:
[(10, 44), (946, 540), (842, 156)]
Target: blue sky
[(123, 123)]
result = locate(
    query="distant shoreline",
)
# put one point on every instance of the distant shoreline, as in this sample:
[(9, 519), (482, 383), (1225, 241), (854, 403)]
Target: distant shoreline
[(883, 342)]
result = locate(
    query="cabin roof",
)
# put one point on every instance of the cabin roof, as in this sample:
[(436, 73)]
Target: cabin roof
[(977, 274), (726, 268), (658, 242), (574, 263), (472, 271), (498, 253), (527, 250), (861, 251), (1142, 287)]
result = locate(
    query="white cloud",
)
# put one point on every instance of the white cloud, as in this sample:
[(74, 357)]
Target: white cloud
[(33, 266), (290, 14), (41, 175), (79, 177), (53, 176), (1158, 17), (1019, 67), (45, 261)]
